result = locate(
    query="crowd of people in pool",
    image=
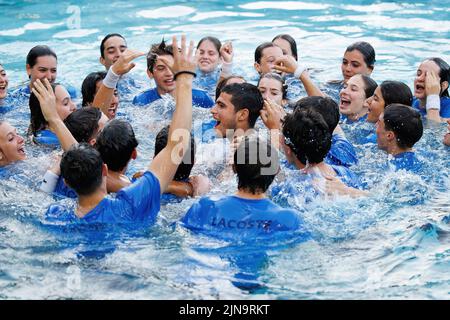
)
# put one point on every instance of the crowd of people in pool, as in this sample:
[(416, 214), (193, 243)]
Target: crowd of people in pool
[(98, 145)]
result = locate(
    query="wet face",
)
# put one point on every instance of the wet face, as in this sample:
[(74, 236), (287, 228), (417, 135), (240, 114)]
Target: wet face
[(383, 136), (376, 105), (114, 47), (419, 81), (208, 57), (45, 68), (268, 58), (112, 110), (163, 76), (223, 112), (447, 135), (353, 63), (12, 145), (64, 105), (271, 89), (3, 83), (284, 45), (352, 97)]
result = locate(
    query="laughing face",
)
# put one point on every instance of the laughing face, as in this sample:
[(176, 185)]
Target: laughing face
[(376, 105), (45, 67), (419, 82), (353, 63), (268, 58), (114, 47), (12, 145), (3, 83), (163, 76), (352, 97), (207, 56), (223, 112)]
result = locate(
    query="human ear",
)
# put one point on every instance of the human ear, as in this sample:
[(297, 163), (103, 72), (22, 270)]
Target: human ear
[(444, 86), (257, 67)]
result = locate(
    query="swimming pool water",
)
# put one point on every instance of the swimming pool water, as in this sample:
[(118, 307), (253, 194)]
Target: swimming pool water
[(394, 244)]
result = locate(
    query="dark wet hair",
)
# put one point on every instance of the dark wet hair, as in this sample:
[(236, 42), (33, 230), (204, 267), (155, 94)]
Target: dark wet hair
[(366, 50), (185, 167), (246, 96), (396, 92), (83, 123), (102, 44), (307, 135), (37, 119), (89, 87), (116, 144), (222, 83), (291, 41), (276, 76), (81, 168), (39, 51), (444, 72), (216, 42), (158, 49), (405, 122), (259, 50), (369, 85), (250, 159), (326, 106)]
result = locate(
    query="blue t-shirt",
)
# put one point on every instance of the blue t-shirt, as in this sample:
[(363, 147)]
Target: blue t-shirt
[(445, 107), (407, 161), (295, 89), (235, 218), (342, 152), (207, 81), (137, 203), (200, 98), (47, 137), (333, 89), (25, 92), (62, 190)]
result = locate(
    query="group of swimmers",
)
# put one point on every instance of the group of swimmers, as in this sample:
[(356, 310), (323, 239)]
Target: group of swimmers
[(98, 144)]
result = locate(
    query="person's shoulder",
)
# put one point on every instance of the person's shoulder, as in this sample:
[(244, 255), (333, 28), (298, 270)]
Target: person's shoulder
[(445, 107), (61, 212), (146, 97), (202, 98)]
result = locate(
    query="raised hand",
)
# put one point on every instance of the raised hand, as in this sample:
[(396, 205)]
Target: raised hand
[(124, 64), (200, 185), (285, 64), (226, 52), (272, 114), (432, 83), (47, 99), (183, 59)]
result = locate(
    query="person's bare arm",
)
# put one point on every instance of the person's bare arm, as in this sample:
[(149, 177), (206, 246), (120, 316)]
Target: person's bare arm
[(433, 104), (226, 54)]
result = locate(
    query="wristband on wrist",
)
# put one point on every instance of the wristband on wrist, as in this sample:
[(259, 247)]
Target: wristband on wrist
[(227, 68), (49, 182), (433, 102), (111, 79), (298, 72), (182, 72)]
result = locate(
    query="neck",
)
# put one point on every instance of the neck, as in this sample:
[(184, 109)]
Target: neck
[(162, 92), (87, 203), (241, 131), (357, 116), (422, 102), (396, 150), (241, 193)]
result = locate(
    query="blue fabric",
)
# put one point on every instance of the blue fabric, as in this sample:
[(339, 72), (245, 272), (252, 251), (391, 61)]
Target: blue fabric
[(241, 219), (207, 131), (64, 191), (342, 152), (295, 89), (347, 176), (332, 89), (345, 119), (207, 81), (407, 161), (445, 107), (199, 98), (47, 137), (137, 203)]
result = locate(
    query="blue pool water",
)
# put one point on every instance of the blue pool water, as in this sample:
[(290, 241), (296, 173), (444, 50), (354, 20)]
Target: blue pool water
[(394, 244)]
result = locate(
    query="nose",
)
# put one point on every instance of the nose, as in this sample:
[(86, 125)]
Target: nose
[(20, 139), (214, 109)]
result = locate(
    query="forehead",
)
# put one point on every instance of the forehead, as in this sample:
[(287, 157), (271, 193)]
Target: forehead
[(61, 92), (354, 55), (5, 129), (1, 68), (272, 51), (115, 42), (159, 62), (46, 61), (429, 65), (356, 80), (282, 43), (207, 45), (235, 80), (225, 98), (270, 83)]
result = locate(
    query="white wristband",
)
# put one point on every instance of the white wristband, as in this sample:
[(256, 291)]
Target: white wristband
[(49, 182), (433, 102), (111, 79), (298, 72), (227, 68)]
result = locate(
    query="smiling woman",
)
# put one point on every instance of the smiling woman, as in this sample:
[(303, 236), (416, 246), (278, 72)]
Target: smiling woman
[(12, 145), (3, 83)]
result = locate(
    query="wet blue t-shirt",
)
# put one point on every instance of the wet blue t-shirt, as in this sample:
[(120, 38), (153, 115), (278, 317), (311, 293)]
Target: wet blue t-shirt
[(445, 107), (232, 217), (407, 161), (200, 98), (207, 81), (137, 203), (342, 152), (47, 137)]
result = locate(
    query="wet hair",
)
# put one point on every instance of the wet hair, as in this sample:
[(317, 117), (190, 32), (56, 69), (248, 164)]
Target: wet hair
[(185, 167), (39, 51), (259, 50), (250, 159), (405, 122), (291, 41), (396, 92), (216, 42), (83, 123), (307, 135), (158, 49), (444, 72), (37, 119), (366, 50), (246, 96), (89, 87), (81, 167), (102, 44), (326, 106), (276, 76), (222, 83), (369, 85), (116, 144)]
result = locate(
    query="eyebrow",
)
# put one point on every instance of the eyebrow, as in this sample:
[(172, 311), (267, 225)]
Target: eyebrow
[(66, 99)]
